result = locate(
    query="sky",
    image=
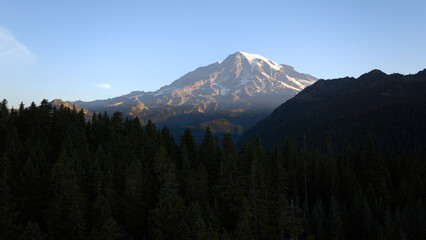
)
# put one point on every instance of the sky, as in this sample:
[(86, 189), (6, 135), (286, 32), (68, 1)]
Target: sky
[(87, 50)]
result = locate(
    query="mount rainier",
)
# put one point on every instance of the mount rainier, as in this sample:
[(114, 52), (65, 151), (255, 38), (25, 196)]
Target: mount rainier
[(240, 90)]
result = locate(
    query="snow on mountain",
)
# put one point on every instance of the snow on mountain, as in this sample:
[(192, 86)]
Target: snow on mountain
[(255, 59), (234, 81), (242, 81)]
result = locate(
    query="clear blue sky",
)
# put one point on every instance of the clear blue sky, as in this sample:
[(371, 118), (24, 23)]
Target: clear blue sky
[(77, 49)]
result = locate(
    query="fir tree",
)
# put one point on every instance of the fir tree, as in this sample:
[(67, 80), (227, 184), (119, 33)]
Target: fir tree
[(67, 205), (8, 215), (32, 232)]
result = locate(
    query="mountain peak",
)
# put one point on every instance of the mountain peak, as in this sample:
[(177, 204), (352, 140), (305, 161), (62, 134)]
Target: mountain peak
[(373, 74), (256, 59)]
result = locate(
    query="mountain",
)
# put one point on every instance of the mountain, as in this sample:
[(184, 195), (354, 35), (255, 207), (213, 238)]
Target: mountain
[(59, 102), (242, 89), (389, 108)]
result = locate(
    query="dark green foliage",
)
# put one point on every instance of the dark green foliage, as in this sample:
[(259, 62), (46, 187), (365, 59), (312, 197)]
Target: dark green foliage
[(111, 178), (335, 221), (32, 232), (67, 204), (318, 220), (8, 213)]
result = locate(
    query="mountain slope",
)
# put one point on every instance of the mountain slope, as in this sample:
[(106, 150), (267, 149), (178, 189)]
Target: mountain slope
[(242, 89), (68, 104), (392, 108)]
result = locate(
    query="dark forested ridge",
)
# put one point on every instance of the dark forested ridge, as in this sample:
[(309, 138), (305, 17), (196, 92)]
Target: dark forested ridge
[(64, 178), (391, 108)]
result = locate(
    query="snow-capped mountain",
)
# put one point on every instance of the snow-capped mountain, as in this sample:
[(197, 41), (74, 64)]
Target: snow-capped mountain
[(241, 80), (242, 83)]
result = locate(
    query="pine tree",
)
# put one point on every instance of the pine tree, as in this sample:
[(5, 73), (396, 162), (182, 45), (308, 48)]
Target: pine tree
[(195, 227), (229, 194), (291, 162), (259, 193), (188, 141), (4, 115), (244, 229), (151, 140), (168, 141), (229, 159), (209, 156), (32, 232), (108, 230), (388, 229), (291, 221), (373, 172), (318, 220), (67, 205), (335, 221), (134, 201), (8, 214), (332, 170), (199, 186), (30, 191), (169, 214), (4, 111)]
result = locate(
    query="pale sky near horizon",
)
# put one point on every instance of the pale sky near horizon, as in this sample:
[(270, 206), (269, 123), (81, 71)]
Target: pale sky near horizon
[(87, 50)]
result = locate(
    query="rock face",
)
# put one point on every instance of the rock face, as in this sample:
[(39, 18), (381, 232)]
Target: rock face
[(242, 85)]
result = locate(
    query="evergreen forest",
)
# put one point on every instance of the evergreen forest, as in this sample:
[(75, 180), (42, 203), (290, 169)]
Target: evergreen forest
[(62, 177)]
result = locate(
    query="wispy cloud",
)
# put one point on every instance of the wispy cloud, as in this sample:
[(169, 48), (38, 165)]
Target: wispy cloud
[(12, 52), (103, 85)]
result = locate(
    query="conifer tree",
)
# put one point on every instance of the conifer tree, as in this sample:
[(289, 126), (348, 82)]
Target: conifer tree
[(199, 186), (8, 214), (32, 232), (67, 204), (107, 230), (188, 141), (318, 220), (335, 221), (133, 214), (373, 171), (244, 227), (30, 190), (259, 193), (291, 221), (229, 159), (4, 114), (332, 170), (209, 156), (168, 216)]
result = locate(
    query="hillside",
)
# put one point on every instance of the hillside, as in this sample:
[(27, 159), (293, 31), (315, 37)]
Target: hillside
[(391, 108)]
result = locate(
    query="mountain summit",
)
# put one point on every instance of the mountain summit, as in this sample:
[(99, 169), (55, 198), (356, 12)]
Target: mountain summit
[(242, 80), (242, 83)]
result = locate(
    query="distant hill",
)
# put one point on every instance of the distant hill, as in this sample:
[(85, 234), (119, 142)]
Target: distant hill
[(222, 125), (390, 108), (59, 102)]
